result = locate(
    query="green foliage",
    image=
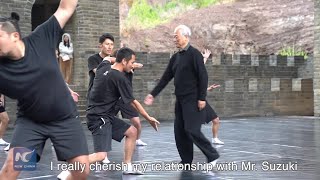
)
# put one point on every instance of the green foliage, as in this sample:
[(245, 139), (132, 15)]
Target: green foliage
[(292, 51), (205, 3), (142, 15), (198, 3), (187, 2), (170, 5)]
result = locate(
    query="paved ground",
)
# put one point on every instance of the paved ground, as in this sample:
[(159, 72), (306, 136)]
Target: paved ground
[(266, 142)]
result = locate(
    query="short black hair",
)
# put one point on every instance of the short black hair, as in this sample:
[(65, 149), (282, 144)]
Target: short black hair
[(105, 36), (124, 53), (10, 25)]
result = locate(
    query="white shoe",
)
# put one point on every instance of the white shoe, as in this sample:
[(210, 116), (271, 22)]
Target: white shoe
[(213, 163), (130, 171), (63, 175), (3, 142), (140, 143), (217, 141), (7, 148), (210, 166), (106, 160)]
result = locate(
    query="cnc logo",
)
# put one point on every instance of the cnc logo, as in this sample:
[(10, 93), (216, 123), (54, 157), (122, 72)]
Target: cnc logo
[(24, 159)]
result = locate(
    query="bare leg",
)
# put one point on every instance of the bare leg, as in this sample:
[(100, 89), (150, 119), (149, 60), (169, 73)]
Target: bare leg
[(136, 123), (78, 175), (97, 157), (7, 172), (4, 122), (215, 127), (130, 143)]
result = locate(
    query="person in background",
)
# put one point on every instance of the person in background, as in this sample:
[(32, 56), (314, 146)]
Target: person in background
[(211, 114), (66, 57)]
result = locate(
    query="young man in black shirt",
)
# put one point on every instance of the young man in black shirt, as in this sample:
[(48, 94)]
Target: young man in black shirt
[(29, 72), (110, 85), (106, 45), (191, 82)]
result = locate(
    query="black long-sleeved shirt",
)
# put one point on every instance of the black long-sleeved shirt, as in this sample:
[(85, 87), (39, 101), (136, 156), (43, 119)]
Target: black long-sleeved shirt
[(189, 73)]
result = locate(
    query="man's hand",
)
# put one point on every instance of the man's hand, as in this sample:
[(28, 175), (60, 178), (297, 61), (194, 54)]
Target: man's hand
[(110, 59), (137, 65), (201, 104), (154, 123), (148, 100), (206, 53), (75, 96), (213, 86)]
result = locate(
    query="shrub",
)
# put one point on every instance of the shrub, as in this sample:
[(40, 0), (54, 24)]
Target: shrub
[(293, 51)]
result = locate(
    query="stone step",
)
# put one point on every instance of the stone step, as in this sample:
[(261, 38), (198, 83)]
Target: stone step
[(82, 102), (82, 112)]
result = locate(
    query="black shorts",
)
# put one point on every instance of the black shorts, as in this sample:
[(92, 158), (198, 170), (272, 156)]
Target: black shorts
[(127, 111), (210, 113), (2, 109), (67, 136), (104, 129)]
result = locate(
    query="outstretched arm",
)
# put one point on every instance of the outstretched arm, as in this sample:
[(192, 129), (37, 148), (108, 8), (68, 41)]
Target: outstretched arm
[(165, 79), (153, 122), (137, 65), (75, 96), (65, 11)]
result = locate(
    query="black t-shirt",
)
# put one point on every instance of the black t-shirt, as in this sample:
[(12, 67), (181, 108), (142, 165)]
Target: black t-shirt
[(130, 77), (35, 80), (93, 62), (109, 85)]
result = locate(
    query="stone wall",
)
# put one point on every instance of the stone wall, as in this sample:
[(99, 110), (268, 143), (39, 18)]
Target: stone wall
[(251, 85), (21, 7), (316, 82)]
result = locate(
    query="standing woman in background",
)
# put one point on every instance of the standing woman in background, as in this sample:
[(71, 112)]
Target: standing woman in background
[(66, 57)]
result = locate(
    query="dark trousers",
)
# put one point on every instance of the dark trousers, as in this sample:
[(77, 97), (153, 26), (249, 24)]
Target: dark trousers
[(187, 130)]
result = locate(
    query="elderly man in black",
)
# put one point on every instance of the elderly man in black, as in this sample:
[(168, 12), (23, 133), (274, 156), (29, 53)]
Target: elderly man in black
[(190, 81)]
